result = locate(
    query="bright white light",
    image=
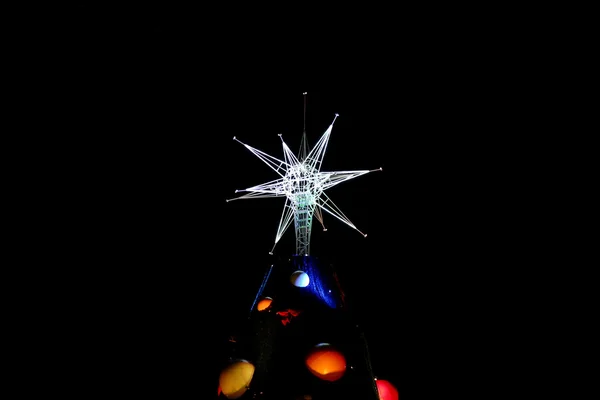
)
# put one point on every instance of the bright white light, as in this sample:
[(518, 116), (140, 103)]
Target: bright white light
[(303, 185)]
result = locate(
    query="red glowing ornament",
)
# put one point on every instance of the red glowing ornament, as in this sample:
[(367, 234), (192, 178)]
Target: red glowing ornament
[(387, 391), (325, 362)]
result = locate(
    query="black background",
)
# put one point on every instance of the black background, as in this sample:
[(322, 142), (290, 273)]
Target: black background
[(152, 100)]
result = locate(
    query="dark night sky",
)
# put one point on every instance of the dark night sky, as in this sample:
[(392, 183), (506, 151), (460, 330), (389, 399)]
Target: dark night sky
[(159, 100)]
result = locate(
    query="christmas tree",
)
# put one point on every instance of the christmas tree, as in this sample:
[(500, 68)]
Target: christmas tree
[(299, 339)]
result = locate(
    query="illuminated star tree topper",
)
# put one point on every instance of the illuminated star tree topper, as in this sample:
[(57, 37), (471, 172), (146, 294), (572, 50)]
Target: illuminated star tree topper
[(303, 185)]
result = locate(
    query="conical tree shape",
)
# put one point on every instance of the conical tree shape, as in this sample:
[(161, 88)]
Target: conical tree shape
[(306, 343)]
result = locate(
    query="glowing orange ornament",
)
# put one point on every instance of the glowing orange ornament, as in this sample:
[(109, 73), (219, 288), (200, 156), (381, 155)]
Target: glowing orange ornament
[(264, 304), (235, 378), (387, 391), (325, 362)]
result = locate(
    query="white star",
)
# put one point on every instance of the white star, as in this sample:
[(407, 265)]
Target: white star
[(303, 184)]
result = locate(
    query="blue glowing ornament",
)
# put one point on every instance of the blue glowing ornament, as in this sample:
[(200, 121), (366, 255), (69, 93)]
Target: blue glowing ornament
[(300, 279)]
